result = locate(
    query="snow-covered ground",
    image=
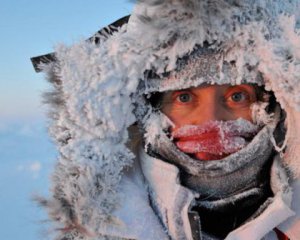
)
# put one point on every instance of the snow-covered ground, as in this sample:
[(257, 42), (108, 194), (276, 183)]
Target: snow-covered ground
[(26, 160)]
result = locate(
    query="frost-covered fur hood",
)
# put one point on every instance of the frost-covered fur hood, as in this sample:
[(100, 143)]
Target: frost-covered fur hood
[(96, 86)]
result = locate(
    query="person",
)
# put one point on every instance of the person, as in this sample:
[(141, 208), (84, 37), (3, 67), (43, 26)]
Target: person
[(179, 123)]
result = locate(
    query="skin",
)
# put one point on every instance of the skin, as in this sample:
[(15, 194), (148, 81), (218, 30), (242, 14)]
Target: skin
[(195, 106)]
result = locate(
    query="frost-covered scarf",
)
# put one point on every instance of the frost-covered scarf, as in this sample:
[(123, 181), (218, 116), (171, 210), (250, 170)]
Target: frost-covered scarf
[(222, 178)]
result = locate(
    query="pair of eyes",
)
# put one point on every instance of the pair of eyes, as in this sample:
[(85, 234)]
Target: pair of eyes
[(233, 97)]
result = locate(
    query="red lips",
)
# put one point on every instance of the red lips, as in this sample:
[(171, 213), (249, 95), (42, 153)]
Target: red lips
[(213, 140)]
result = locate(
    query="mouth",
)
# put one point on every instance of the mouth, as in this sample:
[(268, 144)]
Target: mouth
[(212, 141), (210, 146)]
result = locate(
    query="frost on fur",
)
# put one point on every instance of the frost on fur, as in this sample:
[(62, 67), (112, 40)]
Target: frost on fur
[(89, 131)]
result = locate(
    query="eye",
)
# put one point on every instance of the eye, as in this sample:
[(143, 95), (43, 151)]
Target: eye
[(184, 97), (239, 97)]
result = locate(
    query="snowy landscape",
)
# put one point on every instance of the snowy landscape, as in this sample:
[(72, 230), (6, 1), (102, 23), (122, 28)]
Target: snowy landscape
[(26, 157)]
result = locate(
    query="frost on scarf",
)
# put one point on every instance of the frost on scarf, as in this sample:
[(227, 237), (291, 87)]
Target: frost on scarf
[(97, 86)]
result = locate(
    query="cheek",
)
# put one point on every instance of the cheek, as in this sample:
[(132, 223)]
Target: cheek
[(243, 113), (179, 116)]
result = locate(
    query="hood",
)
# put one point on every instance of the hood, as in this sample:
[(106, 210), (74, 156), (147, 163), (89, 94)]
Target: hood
[(96, 87)]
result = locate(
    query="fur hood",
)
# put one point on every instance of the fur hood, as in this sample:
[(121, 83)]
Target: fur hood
[(95, 90)]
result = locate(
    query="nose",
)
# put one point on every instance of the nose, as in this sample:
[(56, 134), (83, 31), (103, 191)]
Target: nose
[(209, 111)]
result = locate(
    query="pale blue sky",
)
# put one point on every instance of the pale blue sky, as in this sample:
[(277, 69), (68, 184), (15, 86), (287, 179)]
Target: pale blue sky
[(30, 28), (34, 27)]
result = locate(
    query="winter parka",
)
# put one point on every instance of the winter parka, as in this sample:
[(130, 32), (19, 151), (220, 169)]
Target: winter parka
[(105, 185)]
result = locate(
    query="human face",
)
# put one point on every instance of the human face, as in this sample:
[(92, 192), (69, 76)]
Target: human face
[(196, 106)]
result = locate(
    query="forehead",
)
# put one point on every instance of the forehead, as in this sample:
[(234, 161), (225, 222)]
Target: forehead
[(219, 88)]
